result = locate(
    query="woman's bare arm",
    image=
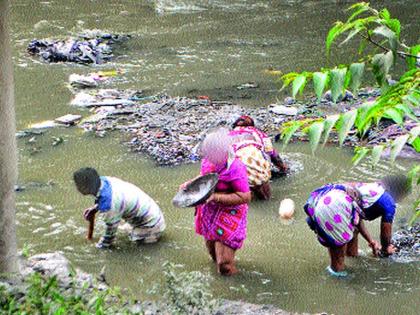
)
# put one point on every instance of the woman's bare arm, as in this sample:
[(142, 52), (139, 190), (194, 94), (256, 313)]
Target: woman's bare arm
[(230, 199)]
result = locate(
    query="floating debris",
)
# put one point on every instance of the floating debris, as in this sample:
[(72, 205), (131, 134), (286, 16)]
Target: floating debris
[(283, 110), (249, 85), (68, 119), (90, 47), (92, 80), (107, 97), (57, 141), (44, 124), (407, 242)]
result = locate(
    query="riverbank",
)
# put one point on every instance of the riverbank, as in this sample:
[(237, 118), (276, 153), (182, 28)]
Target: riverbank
[(169, 129), (49, 282)]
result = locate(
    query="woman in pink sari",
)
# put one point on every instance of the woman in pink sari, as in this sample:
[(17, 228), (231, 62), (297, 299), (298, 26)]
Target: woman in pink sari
[(222, 219)]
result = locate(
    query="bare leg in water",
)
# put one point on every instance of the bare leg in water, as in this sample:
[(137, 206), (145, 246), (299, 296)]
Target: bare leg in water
[(225, 259), (337, 255), (352, 249)]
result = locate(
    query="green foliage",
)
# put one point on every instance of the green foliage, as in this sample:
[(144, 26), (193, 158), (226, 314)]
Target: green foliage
[(411, 61), (356, 74), (337, 83), (45, 296), (372, 26), (329, 123), (314, 133), (345, 124), (397, 102), (381, 64), (289, 130), (359, 154), (299, 84), (320, 82)]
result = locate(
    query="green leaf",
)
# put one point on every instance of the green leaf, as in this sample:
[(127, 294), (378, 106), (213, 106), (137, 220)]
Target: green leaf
[(334, 32), (358, 5), (298, 84), (413, 174), (406, 109), (376, 154), (385, 14), (351, 35), (412, 61), (360, 153), (414, 139), (414, 134), (395, 115), (395, 26), (337, 82), (362, 46), (288, 132), (288, 78), (416, 144), (329, 123), (345, 124), (356, 70), (314, 133), (382, 63), (357, 12), (320, 82), (414, 100), (363, 118), (397, 146), (388, 34)]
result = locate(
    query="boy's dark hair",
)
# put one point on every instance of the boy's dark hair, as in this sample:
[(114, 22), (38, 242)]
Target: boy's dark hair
[(87, 180), (397, 186)]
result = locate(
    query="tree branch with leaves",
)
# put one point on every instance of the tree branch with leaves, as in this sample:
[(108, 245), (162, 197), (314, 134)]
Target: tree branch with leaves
[(397, 101)]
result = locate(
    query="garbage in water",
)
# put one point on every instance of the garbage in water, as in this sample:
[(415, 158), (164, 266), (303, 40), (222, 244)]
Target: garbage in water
[(92, 80), (92, 46), (44, 124), (106, 97), (407, 242), (64, 121), (69, 119), (249, 85), (286, 209)]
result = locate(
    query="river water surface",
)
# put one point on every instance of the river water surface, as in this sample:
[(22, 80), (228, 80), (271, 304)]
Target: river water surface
[(193, 48)]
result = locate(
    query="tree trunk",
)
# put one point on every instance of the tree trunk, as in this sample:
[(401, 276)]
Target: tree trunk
[(8, 154)]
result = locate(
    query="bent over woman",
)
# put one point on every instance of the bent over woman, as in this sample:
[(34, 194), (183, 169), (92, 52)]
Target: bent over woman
[(336, 213)]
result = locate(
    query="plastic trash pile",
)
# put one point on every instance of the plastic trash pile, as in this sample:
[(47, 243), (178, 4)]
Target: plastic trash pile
[(89, 47)]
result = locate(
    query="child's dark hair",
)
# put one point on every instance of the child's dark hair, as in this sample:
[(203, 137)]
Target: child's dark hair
[(397, 186), (87, 180)]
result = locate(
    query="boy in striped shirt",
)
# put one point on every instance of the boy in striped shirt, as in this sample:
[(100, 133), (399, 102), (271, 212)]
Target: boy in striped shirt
[(118, 200)]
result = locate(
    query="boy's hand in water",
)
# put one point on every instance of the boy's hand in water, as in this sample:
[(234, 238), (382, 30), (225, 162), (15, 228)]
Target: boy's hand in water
[(89, 213), (376, 247)]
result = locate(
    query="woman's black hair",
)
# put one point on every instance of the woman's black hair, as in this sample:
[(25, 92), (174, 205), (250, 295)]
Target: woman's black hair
[(397, 186), (87, 180)]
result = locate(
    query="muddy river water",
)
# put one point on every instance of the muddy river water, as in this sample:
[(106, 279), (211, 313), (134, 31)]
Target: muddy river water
[(194, 48)]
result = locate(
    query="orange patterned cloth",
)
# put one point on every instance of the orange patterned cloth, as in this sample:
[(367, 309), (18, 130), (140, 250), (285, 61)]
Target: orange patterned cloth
[(258, 167)]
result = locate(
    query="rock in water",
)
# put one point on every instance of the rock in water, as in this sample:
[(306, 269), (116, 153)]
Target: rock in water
[(287, 209)]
